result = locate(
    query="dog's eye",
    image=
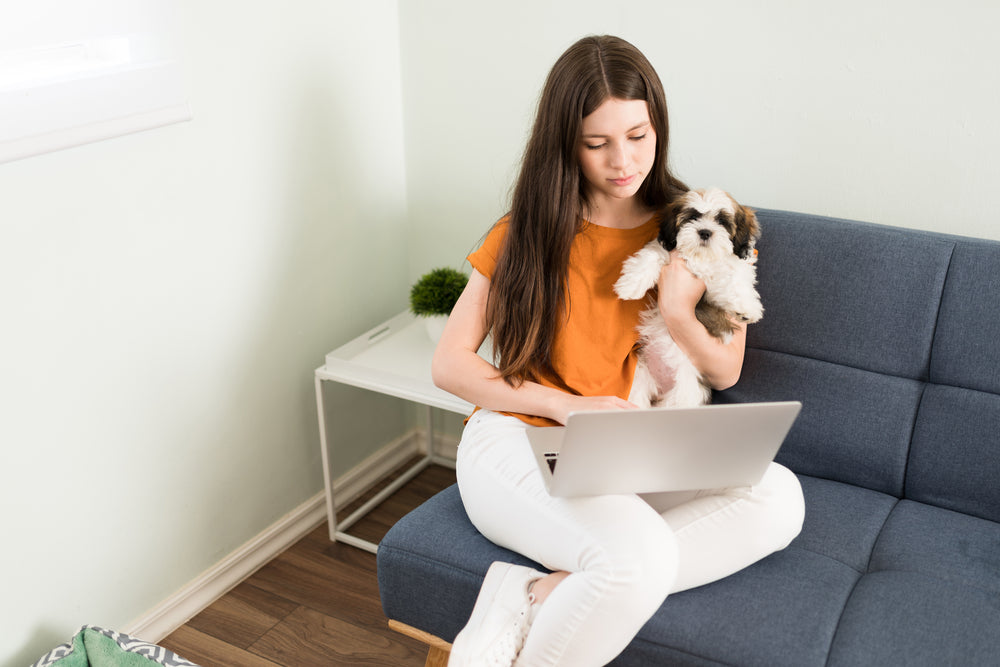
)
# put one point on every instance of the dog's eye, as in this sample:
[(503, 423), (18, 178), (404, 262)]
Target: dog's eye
[(725, 220)]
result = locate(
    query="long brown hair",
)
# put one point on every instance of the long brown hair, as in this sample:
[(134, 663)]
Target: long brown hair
[(527, 289)]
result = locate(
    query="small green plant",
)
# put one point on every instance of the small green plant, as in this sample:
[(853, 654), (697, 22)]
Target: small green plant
[(437, 291)]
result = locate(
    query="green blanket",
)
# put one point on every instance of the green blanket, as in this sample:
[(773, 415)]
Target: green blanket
[(96, 647)]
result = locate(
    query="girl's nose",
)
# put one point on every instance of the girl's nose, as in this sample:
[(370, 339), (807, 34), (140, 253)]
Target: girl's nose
[(618, 156)]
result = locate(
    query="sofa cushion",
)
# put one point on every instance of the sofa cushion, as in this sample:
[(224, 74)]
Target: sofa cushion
[(93, 646), (955, 456), (780, 611), (851, 293), (966, 353), (855, 425), (948, 546), (933, 585), (909, 618), (842, 522)]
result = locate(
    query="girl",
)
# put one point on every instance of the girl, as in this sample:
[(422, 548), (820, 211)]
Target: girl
[(594, 175)]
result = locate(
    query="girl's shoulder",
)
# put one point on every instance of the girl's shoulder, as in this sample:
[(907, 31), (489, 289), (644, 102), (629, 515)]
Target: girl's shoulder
[(497, 233), (484, 258)]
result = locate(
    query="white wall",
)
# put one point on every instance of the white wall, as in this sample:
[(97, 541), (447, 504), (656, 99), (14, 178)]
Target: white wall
[(879, 111), (165, 298)]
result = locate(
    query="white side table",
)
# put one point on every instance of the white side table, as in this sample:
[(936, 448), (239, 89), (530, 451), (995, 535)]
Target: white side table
[(393, 358)]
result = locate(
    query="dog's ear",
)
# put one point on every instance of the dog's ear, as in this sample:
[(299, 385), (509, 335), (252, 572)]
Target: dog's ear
[(747, 231), (668, 226)]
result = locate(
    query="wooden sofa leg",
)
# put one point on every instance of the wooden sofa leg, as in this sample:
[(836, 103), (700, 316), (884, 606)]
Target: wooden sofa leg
[(437, 657), (438, 649)]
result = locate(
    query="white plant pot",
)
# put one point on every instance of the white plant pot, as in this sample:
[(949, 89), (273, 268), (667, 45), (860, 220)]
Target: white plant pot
[(435, 326)]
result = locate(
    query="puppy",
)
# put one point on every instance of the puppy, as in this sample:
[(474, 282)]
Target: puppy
[(716, 237)]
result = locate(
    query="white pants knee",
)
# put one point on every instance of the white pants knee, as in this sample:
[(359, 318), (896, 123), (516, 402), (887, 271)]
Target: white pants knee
[(625, 553)]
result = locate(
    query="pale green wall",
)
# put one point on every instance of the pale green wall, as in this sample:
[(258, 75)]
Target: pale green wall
[(165, 299)]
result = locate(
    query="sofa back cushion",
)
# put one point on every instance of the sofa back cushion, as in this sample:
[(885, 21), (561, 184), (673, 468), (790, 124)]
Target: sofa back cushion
[(955, 455), (858, 319), (966, 352), (852, 294)]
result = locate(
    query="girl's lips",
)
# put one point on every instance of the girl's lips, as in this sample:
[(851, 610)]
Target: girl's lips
[(622, 182)]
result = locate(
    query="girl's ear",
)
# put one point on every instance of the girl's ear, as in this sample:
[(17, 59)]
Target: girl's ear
[(668, 227), (747, 231)]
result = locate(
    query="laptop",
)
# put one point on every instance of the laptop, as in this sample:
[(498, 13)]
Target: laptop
[(661, 449)]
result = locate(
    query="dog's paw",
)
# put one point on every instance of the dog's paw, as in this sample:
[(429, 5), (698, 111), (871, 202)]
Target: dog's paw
[(629, 287), (641, 271), (753, 313)]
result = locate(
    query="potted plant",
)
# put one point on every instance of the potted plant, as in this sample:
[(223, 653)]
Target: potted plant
[(434, 295)]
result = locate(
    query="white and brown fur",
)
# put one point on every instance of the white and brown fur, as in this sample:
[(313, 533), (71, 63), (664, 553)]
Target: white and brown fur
[(716, 236)]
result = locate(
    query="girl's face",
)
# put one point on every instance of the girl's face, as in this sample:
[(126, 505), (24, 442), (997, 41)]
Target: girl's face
[(617, 149)]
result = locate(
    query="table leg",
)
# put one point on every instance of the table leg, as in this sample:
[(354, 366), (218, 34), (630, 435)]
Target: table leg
[(430, 432), (331, 509), (338, 530)]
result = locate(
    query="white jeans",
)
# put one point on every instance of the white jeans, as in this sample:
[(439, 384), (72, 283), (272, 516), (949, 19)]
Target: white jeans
[(625, 553)]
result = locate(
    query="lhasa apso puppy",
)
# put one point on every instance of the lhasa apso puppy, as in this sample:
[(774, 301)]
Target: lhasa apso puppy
[(716, 237)]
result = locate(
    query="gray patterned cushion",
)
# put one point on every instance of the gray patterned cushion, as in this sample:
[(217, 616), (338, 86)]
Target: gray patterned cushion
[(97, 647)]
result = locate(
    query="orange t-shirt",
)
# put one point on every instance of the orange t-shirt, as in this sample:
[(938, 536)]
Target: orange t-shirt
[(595, 348)]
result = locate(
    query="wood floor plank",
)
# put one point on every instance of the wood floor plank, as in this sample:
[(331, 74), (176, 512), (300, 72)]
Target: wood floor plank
[(243, 615), (307, 638), (207, 651), (331, 587)]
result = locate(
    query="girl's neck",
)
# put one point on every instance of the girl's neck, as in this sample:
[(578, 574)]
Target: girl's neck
[(616, 213)]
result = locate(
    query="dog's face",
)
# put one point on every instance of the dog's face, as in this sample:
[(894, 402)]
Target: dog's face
[(709, 223)]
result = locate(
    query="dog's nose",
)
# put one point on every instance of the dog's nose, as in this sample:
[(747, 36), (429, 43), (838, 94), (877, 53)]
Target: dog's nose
[(705, 234)]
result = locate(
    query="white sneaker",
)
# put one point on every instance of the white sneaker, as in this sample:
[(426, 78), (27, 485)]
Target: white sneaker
[(500, 620)]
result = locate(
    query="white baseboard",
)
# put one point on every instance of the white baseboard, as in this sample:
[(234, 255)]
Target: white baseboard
[(176, 610), (180, 607)]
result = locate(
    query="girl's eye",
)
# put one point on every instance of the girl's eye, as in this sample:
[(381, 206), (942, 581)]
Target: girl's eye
[(594, 148), (639, 138)]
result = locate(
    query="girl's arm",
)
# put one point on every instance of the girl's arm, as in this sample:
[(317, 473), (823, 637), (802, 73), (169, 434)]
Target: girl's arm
[(458, 368), (679, 293)]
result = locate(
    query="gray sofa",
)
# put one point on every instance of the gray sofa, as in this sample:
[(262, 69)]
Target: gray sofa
[(888, 336)]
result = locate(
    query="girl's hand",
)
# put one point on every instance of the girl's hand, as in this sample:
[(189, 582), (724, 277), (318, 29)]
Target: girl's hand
[(679, 289), (571, 403)]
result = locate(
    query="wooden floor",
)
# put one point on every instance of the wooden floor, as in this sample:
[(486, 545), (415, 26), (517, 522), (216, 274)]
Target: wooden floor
[(315, 604)]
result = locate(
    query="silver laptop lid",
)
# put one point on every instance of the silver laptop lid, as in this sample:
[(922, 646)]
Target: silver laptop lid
[(662, 449)]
